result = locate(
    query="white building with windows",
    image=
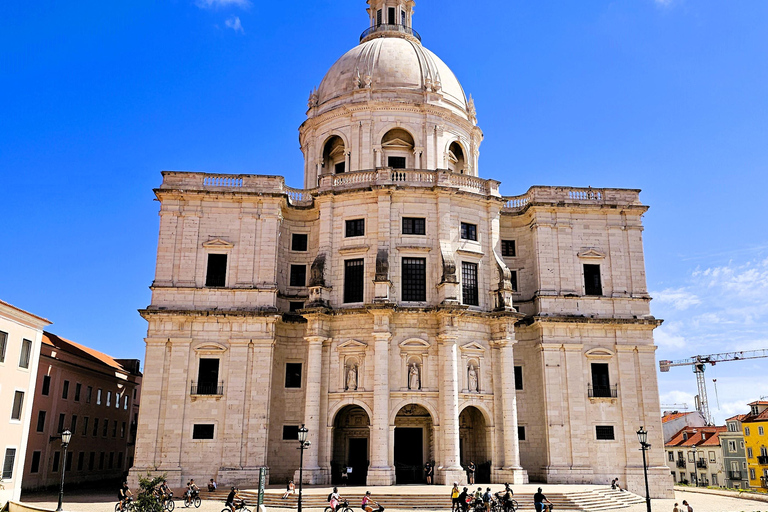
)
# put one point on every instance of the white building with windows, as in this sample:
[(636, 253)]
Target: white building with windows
[(398, 305), (21, 333)]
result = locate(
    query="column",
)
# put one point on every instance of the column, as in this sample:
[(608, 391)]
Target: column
[(381, 471), (313, 473), (449, 459)]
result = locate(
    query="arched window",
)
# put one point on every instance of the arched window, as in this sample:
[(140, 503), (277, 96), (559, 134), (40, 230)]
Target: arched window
[(397, 147), (456, 160), (334, 161)]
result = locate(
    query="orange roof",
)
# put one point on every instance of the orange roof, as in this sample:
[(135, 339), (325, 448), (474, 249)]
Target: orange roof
[(763, 416), (674, 416), (738, 417), (711, 436), (79, 350)]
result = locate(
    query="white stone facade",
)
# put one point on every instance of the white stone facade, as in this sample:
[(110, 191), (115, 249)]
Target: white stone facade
[(415, 364)]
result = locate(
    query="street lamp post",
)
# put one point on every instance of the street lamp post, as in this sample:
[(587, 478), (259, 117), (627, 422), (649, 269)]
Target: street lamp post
[(66, 437), (642, 436), (303, 445)]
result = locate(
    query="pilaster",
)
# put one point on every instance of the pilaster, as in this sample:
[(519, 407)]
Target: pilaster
[(449, 464), (381, 470)]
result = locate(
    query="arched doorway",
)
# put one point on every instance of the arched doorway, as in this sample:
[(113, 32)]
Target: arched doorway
[(351, 434), (475, 443), (397, 145), (456, 161), (414, 441), (334, 156)]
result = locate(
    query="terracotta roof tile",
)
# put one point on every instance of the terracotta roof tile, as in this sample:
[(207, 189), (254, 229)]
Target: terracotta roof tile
[(80, 350), (712, 436), (674, 416)]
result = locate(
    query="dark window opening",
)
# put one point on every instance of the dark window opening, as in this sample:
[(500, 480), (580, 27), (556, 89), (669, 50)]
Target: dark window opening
[(73, 424), (105, 427), (18, 404), (95, 427), (88, 394), (91, 461), (111, 462), (468, 231), (414, 226), (604, 432), (295, 306), (355, 227), (41, 421), (353, 280), (601, 382), (298, 275), (290, 432), (3, 345), (78, 388), (299, 242), (592, 284), (513, 280), (396, 162), (80, 461), (521, 433), (340, 167), (114, 428), (518, 378), (378, 18), (414, 280), (85, 426), (55, 465), (46, 389), (391, 15), (68, 462), (207, 377), (120, 460), (292, 375), (216, 275), (34, 467), (469, 284), (402, 18), (101, 461), (26, 353), (508, 248), (65, 390), (10, 459)]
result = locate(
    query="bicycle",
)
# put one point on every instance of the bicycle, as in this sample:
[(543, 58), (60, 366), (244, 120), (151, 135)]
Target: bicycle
[(500, 506), (127, 507), (241, 505), (168, 503), (192, 499), (343, 507)]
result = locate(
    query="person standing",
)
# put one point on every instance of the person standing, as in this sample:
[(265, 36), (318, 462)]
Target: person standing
[(487, 499), (464, 500), (676, 508), (455, 497), (471, 468), (689, 508), (428, 471)]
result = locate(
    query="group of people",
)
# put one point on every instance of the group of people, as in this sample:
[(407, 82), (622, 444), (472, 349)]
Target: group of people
[(462, 500), (685, 508), (336, 502)]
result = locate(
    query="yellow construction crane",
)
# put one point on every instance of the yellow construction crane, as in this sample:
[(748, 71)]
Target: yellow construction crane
[(699, 363)]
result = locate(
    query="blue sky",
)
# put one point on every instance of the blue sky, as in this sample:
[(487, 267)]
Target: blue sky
[(96, 98)]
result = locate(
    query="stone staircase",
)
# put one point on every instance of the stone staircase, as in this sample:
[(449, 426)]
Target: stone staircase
[(595, 500)]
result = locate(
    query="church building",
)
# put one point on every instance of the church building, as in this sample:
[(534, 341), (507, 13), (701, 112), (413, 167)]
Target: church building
[(399, 306)]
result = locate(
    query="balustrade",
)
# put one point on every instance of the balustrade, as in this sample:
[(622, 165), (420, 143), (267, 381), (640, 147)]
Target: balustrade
[(223, 181)]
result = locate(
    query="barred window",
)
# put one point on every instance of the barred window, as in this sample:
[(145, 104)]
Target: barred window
[(299, 242), (216, 274), (468, 231), (414, 226), (353, 280), (469, 284), (604, 432), (355, 227), (298, 275), (508, 248), (414, 280)]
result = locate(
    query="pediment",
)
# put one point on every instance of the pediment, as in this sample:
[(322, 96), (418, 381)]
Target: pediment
[(413, 343), (218, 243), (352, 345), (210, 347), (591, 252), (397, 143), (472, 347), (599, 353)]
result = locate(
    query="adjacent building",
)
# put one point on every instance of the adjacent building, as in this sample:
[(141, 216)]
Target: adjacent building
[(21, 333), (93, 396), (755, 427), (734, 454), (399, 305), (673, 422), (695, 456)]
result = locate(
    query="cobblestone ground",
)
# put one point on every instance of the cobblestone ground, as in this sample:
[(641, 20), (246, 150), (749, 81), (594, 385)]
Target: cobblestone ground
[(105, 502)]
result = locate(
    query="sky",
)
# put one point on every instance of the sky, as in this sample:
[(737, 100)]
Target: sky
[(667, 96)]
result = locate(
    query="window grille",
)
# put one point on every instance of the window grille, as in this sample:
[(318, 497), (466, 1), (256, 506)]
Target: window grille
[(353, 280), (508, 248), (355, 227), (604, 432), (468, 231), (414, 226), (414, 280), (469, 284)]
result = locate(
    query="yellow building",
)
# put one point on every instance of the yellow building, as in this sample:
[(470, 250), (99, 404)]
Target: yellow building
[(755, 426)]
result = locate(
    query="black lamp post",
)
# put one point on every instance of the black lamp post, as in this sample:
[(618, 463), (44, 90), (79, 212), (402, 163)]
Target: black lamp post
[(303, 445), (642, 436), (66, 437)]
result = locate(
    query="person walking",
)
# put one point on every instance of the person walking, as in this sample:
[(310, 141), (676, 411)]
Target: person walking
[(455, 497), (689, 508)]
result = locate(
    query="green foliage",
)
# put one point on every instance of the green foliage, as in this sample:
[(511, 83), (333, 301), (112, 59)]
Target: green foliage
[(146, 500)]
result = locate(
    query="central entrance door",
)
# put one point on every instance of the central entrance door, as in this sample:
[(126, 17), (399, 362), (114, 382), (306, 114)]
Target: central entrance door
[(409, 455), (358, 460)]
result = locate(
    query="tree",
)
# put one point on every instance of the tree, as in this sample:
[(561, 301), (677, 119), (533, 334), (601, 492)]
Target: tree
[(147, 501)]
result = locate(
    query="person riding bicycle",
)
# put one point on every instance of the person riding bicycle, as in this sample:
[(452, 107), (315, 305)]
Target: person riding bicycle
[(232, 498), (487, 499), (505, 497), (192, 491), (165, 491), (368, 503), (335, 500), (477, 498), (538, 502), (123, 494), (464, 500)]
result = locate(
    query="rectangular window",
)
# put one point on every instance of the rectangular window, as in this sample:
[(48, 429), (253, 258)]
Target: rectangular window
[(414, 226), (340, 167), (732, 446), (298, 275), (41, 421), (391, 17), (469, 284), (95, 427), (604, 433), (290, 432), (111, 462), (68, 462), (91, 461), (18, 404), (109, 399), (45, 390), (299, 242), (216, 275), (396, 162), (592, 283), (26, 353), (378, 18), (73, 424), (353, 280), (114, 428), (101, 461), (98, 397), (78, 388), (125, 402), (751, 473), (468, 231), (601, 383), (3, 345), (120, 460), (34, 466), (117, 400), (207, 377), (80, 461), (60, 427), (10, 459), (355, 227), (65, 390), (746, 431), (202, 431), (691, 457), (513, 279), (508, 248), (671, 456), (88, 394), (104, 427), (760, 431), (295, 306), (85, 426), (292, 375), (402, 18), (55, 464), (521, 433), (518, 378), (714, 479), (711, 456), (414, 279), (122, 430)]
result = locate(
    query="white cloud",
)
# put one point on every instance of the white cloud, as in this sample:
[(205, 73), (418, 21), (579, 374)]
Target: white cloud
[(665, 338), (234, 24), (679, 298), (208, 4)]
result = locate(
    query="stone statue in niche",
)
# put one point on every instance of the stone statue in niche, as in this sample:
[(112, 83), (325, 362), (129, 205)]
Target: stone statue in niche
[(414, 379), (352, 378), (472, 378)]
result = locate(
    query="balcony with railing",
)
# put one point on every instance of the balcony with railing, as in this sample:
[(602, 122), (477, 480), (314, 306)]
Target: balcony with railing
[(762, 460), (764, 482), (389, 29), (703, 482), (206, 388), (701, 463), (681, 463), (602, 391), (734, 475)]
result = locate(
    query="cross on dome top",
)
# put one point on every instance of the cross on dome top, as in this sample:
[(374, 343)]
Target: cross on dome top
[(390, 18)]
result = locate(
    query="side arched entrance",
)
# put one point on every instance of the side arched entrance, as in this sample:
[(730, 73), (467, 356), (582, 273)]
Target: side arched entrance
[(351, 446), (414, 444), (475, 443)]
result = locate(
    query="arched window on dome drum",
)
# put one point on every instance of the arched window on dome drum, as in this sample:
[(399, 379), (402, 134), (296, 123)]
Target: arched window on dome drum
[(456, 161), (334, 156), (397, 147)]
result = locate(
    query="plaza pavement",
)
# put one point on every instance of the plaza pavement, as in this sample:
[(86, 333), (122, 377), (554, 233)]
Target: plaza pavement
[(93, 501)]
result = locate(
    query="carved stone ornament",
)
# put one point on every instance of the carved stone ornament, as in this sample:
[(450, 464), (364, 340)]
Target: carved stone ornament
[(317, 271), (471, 111), (472, 377), (449, 265), (414, 377), (314, 99)]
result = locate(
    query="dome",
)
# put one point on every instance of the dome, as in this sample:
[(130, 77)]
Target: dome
[(393, 64)]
